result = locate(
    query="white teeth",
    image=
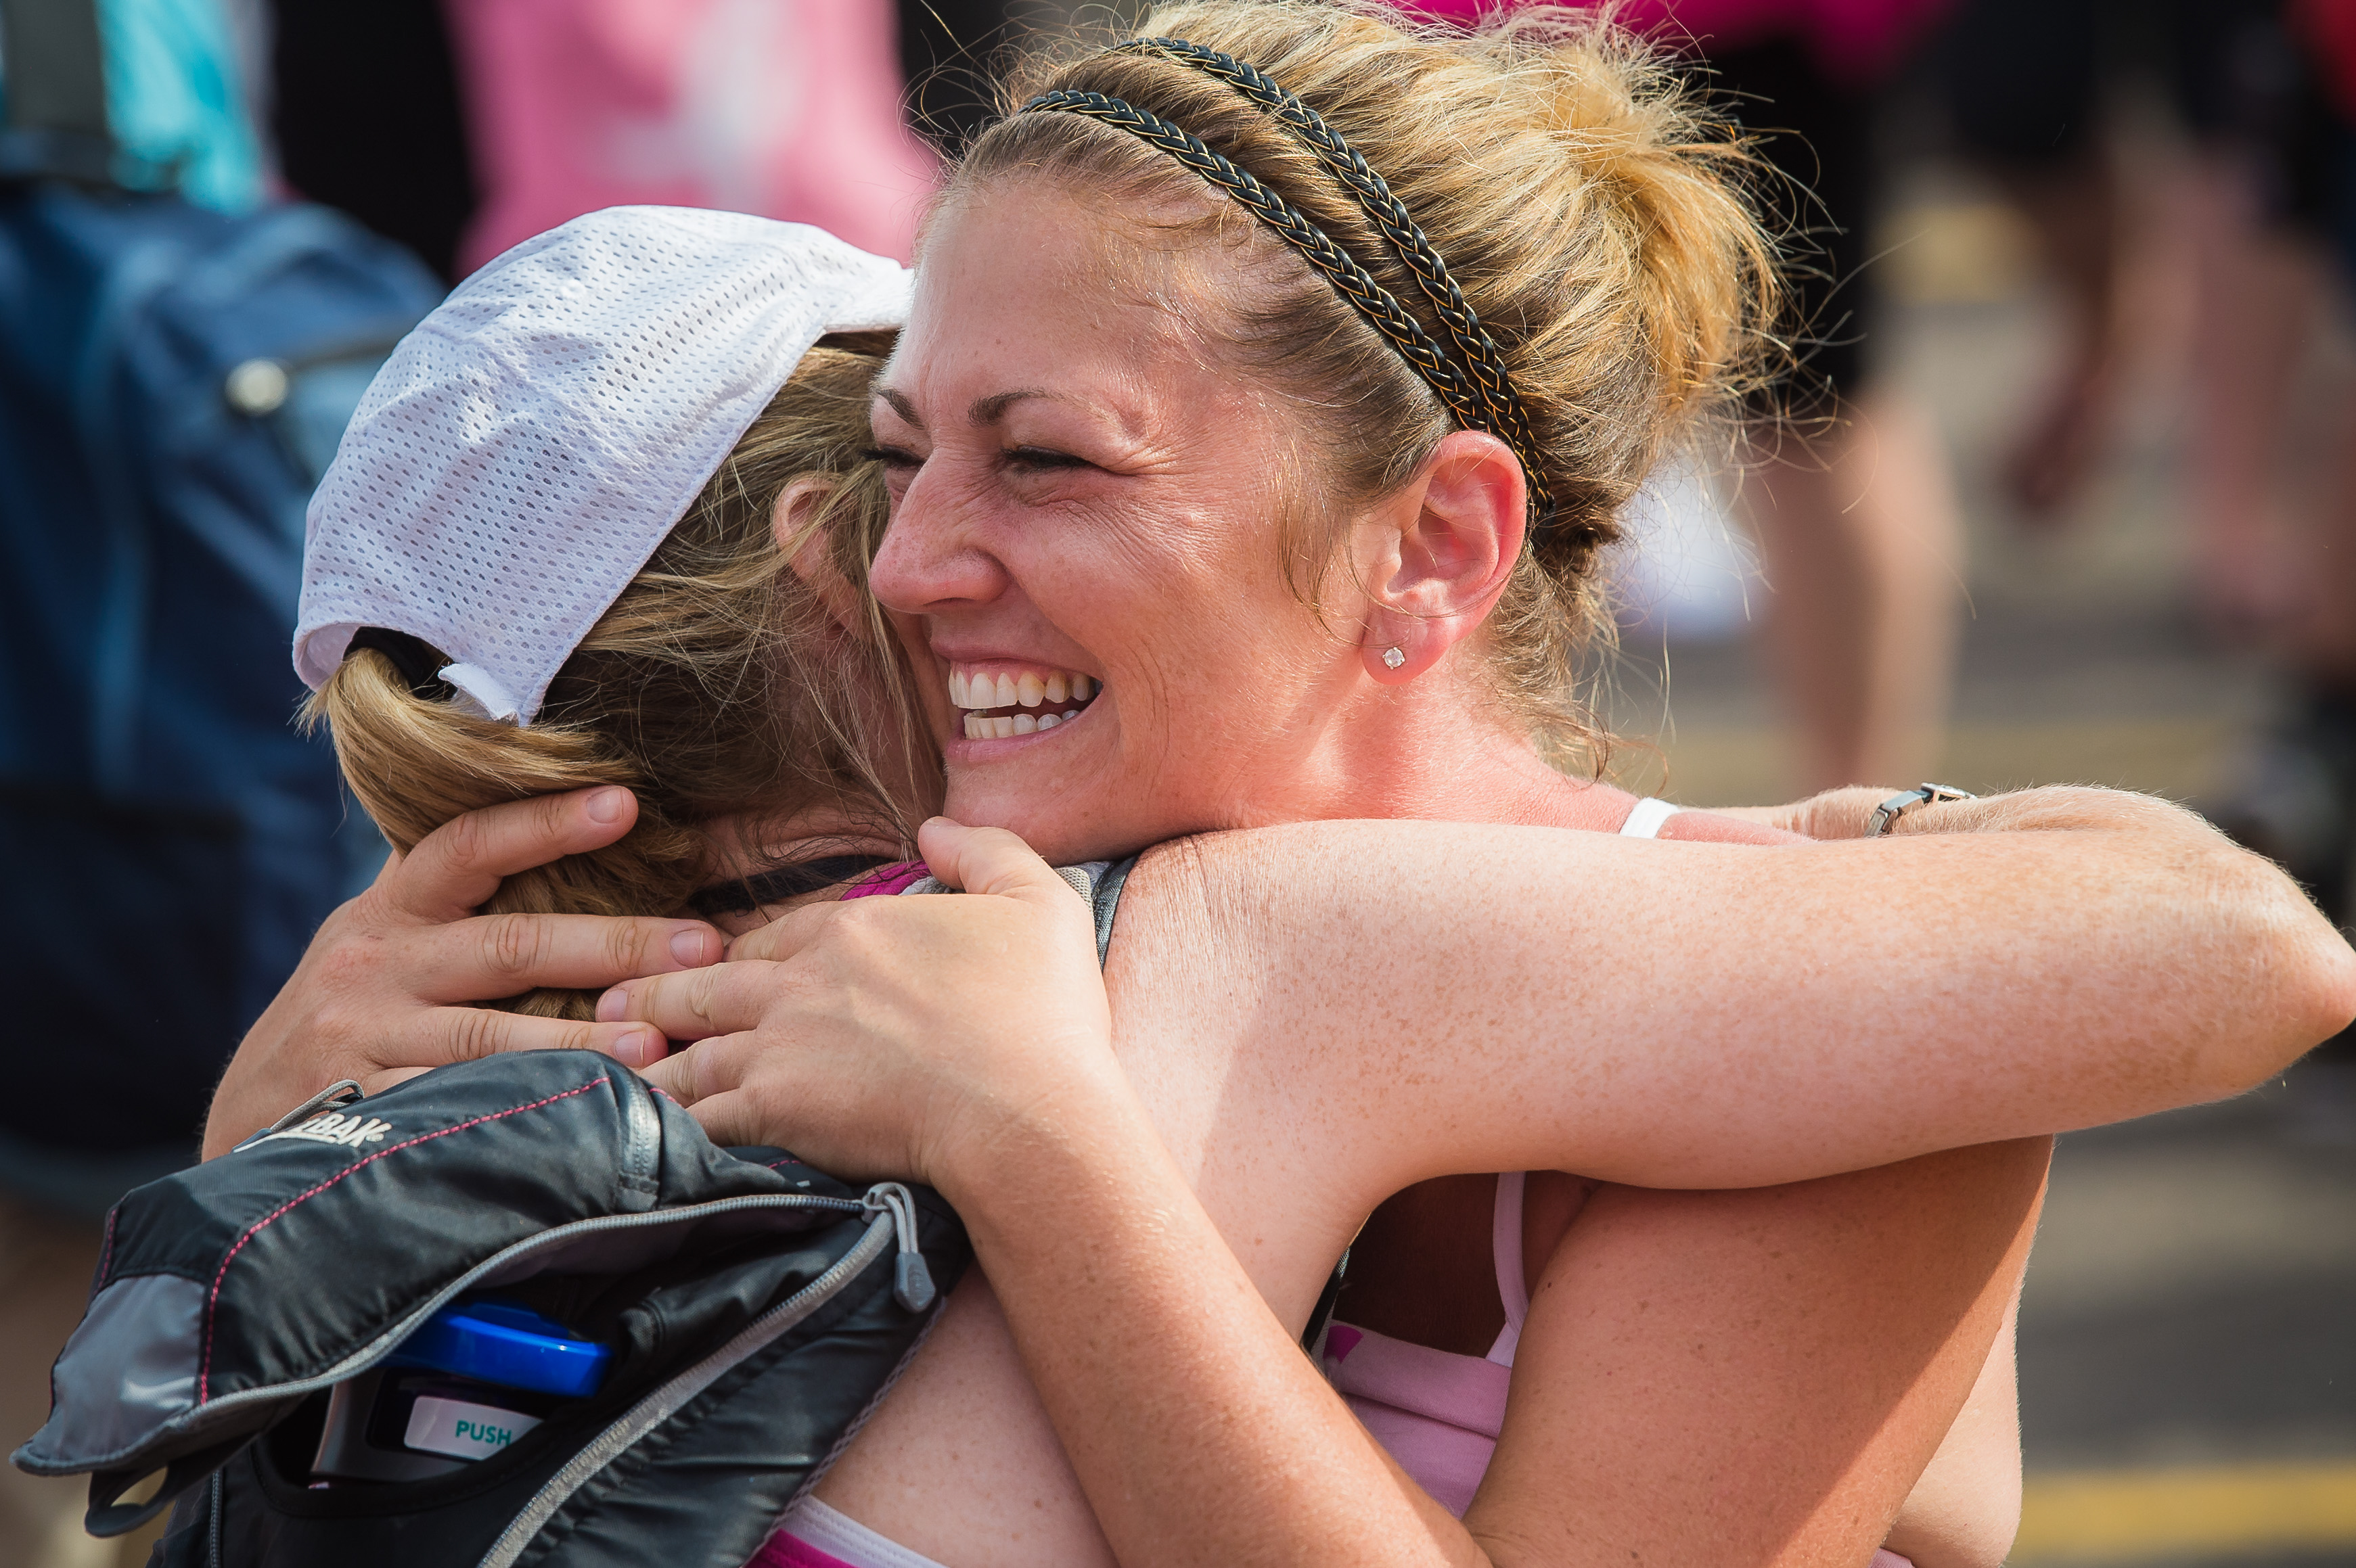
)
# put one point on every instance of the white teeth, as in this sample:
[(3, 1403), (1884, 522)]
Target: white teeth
[(1003, 728), (972, 727), (1023, 724), (1028, 689), (1075, 713), (1048, 721)]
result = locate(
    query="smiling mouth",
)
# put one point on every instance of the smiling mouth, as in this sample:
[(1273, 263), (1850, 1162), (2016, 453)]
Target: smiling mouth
[(1001, 701)]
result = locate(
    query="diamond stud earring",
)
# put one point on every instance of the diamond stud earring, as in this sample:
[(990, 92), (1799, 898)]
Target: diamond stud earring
[(1393, 658)]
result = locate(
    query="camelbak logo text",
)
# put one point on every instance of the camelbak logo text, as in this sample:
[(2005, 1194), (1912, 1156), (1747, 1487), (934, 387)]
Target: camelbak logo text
[(335, 1127)]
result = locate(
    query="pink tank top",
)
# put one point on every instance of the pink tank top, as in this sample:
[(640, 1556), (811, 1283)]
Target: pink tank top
[(1437, 1412)]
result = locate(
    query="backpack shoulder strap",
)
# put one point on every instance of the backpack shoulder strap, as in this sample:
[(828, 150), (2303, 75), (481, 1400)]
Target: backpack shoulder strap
[(1106, 900)]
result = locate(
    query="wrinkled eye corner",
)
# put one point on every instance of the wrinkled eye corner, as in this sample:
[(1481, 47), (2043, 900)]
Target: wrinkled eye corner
[(1036, 457), (892, 456)]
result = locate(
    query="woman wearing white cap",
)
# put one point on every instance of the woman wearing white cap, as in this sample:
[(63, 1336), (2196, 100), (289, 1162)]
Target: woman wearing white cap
[(516, 484)]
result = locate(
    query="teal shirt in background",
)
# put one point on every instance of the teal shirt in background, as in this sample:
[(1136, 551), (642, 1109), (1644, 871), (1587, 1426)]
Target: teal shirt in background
[(176, 104)]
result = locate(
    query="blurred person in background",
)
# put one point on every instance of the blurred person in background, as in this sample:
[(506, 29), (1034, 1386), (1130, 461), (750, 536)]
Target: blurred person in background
[(788, 108), (2274, 91), (1845, 478), (178, 353), (462, 129), (2021, 83), (364, 108), (2266, 92)]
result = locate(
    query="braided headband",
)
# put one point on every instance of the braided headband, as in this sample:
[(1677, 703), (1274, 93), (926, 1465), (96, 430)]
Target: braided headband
[(1483, 399)]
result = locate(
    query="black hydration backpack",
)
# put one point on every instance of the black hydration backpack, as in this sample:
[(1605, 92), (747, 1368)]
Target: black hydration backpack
[(743, 1311)]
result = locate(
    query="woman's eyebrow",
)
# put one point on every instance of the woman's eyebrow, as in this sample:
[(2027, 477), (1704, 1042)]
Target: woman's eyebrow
[(986, 410), (991, 410)]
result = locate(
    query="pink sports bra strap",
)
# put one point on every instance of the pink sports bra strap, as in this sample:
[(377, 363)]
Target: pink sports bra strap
[(885, 880), (813, 1535)]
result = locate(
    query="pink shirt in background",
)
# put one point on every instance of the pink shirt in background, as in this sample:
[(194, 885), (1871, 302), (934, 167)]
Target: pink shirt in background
[(786, 109), (1855, 40)]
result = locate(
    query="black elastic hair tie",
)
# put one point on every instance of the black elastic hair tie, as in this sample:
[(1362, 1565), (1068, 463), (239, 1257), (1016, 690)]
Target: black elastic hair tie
[(414, 657), (749, 893)]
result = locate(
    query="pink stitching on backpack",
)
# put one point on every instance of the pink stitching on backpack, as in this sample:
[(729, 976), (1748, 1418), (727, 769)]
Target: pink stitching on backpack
[(205, 1368)]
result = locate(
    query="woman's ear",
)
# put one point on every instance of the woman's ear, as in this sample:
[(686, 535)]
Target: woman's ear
[(807, 545), (1448, 546)]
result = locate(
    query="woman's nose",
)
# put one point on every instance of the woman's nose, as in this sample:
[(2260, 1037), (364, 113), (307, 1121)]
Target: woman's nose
[(930, 556)]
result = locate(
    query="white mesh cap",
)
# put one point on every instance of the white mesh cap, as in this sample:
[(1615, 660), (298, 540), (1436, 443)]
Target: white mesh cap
[(526, 447)]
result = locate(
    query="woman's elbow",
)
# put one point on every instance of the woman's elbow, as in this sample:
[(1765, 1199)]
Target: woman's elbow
[(2303, 976), (2324, 999)]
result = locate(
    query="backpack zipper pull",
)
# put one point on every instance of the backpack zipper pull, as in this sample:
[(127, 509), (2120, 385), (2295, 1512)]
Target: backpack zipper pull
[(912, 1280), (339, 1094)]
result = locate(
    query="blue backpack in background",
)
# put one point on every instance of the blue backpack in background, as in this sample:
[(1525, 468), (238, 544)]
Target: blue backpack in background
[(173, 382)]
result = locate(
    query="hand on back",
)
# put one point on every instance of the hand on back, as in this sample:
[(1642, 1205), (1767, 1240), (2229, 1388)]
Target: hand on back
[(390, 985)]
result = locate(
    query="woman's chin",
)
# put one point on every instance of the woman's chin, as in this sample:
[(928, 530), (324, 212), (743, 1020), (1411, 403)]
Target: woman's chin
[(1065, 825)]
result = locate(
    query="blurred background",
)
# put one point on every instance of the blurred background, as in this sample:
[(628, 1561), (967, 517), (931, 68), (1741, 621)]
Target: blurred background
[(2062, 490)]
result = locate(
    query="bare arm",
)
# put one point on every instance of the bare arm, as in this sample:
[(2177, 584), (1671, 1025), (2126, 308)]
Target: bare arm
[(1758, 1377), (1583, 894), (1964, 1511), (1740, 1016), (1730, 1016)]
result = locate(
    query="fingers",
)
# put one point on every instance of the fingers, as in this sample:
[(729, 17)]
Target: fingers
[(708, 1078), (695, 1005), (986, 861), (458, 865), (496, 955), (696, 1073), (468, 1034), (734, 1118)]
